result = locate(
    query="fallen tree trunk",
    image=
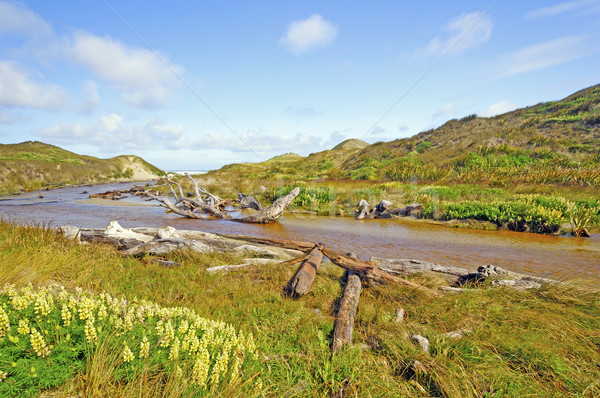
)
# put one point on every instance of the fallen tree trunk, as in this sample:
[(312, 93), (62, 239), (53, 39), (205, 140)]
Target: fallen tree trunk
[(273, 212), (284, 243), (344, 322), (383, 210), (300, 283), (369, 272)]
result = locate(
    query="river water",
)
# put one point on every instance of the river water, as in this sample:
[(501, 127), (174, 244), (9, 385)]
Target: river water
[(560, 257)]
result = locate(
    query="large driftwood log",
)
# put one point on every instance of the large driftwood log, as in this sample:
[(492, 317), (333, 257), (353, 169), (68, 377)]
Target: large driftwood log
[(362, 210), (369, 272), (249, 202), (114, 235), (284, 243), (383, 210), (344, 323), (300, 283), (273, 212)]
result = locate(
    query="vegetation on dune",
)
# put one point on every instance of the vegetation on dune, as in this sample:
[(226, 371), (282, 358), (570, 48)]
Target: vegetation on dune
[(550, 151), (534, 343), (30, 166)]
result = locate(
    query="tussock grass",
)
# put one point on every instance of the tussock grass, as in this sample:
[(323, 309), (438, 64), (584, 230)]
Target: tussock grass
[(539, 343)]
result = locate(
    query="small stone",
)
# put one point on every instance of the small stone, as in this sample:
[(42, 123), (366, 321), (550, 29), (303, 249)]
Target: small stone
[(422, 341), (516, 284), (399, 315), (317, 311), (418, 367), (457, 334), (451, 289)]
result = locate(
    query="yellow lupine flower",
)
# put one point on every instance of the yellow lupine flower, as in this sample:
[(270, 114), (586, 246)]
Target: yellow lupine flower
[(23, 326), (127, 355), (38, 343), (4, 323), (144, 347)]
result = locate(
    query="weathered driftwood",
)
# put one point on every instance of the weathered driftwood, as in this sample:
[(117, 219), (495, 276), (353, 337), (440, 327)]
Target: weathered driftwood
[(383, 210), (344, 322), (461, 276), (300, 283), (273, 212), (369, 272), (249, 202), (407, 266), (247, 263), (285, 243), (214, 205), (114, 235), (362, 210), (405, 211), (139, 241), (110, 195)]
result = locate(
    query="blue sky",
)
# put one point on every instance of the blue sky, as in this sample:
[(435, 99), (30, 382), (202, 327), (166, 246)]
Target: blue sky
[(196, 85)]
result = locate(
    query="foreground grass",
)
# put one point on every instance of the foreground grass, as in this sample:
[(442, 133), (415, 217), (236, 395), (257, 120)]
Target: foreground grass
[(541, 343)]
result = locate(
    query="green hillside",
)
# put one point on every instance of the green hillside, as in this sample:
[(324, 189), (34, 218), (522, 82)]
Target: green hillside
[(535, 169), (34, 165), (549, 143)]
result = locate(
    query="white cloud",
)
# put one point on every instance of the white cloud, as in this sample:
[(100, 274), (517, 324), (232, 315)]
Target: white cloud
[(498, 108), (140, 76), (18, 89), (462, 33), (16, 18), (111, 132), (307, 34), (544, 55), (444, 110), (562, 8)]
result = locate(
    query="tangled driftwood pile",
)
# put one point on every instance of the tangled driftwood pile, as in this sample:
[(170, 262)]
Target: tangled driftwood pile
[(257, 251), (207, 203)]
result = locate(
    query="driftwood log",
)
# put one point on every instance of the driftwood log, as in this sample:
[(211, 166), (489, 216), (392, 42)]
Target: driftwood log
[(344, 321), (369, 273), (383, 210), (302, 280)]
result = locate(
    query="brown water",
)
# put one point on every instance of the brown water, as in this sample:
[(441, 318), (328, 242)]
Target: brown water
[(553, 256)]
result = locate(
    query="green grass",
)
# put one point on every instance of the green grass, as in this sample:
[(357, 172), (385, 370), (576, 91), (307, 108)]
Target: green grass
[(537, 343)]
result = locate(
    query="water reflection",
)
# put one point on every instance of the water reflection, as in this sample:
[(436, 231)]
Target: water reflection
[(558, 257)]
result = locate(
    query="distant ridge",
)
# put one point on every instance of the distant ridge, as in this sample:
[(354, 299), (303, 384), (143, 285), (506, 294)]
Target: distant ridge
[(349, 144), (33, 165)]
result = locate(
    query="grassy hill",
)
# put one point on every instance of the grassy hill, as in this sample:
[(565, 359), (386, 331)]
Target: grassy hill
[(549, 143), (534, 169), (34, 165)]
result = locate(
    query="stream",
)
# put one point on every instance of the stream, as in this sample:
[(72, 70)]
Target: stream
[(558, 257)]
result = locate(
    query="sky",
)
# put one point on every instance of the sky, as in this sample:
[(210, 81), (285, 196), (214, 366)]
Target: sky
[(195, 85)]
